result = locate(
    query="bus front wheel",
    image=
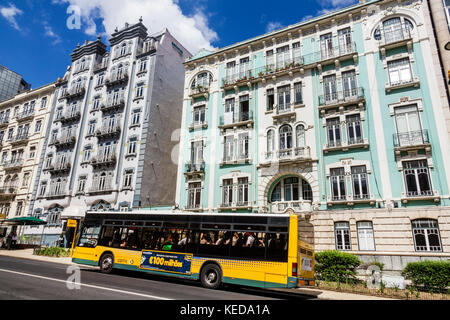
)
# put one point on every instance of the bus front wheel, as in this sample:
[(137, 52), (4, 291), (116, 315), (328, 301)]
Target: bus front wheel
[(211, 276), (106, 263)]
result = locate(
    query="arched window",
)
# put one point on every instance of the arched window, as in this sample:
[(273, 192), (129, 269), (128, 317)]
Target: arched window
[(300, 132), (270, 142), (291, 189), (123, 49), (285, 137), (394, 29), (202, 80)]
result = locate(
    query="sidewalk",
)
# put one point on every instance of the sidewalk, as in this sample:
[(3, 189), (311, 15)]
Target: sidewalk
[(313, 292), (28, 254)]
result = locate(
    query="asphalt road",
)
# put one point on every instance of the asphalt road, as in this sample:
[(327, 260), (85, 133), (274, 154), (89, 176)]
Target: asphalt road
[(24, 279)]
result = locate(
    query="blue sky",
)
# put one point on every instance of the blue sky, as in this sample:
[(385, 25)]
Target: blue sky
[(37, 41)]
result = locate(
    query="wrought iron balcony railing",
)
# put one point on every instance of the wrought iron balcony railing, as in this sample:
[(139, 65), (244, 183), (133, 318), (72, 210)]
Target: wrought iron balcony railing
[(411, 138), (341, 97), (236, 117)]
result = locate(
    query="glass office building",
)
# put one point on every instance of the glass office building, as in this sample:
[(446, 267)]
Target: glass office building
[(11, 84)]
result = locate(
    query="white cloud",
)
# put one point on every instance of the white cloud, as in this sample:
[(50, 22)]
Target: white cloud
[(337, 3), (10, 13), (192, 31), (272, 26), (50, 33)]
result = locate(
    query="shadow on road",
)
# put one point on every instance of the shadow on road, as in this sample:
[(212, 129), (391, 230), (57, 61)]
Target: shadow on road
[(283, 294)]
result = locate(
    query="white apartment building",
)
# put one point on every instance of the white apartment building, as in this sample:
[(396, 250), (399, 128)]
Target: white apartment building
[(109, 140), (23, 124)]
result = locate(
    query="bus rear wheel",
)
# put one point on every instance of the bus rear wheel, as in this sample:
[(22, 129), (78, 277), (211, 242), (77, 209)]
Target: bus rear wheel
[(106, 263), (211, 276)]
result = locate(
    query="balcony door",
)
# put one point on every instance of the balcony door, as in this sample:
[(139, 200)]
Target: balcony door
[(409, 128), (349, 84), (244, 67), (330, 88), (285, 140), (326, 46), (283, 57), (345, 41), (197, 153)]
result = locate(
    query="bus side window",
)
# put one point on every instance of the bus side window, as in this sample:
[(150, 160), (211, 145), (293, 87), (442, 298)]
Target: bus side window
[(106, 236), (277, 247), (193, 241)]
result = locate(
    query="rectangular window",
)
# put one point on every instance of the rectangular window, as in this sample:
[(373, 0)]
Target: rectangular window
[(399, 71), (199, 115), (426, 235), (334, 132), (38, 126), (44, 103), (360, 183), (128, 179), (296, 53), (298, 93), (345, 41), (270, 99), (143, 65), (230, 72), (354, 130), (19, 208), (349, 84), (284, 98), (26, 179), (43, 189), (96, 104), (243, 146), (417, 178), (136, 117), (32, 152), (244, 109), (326, 46), (81, 184), (228, 153), (194, 195), (330, 89), (283, 57), (409, 127), (243, 192), (100, 79), (446, 4), (338, 184), (197, 154), (91, 128), (140, 91), (132, 146), (244, 66), (342, 235), (366, 238), (227, 193)]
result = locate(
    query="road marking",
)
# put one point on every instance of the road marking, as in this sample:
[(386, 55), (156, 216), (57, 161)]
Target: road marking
[(87, 285)]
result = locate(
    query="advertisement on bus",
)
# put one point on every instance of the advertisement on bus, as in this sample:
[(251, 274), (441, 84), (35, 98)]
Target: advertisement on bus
[(166, 262)]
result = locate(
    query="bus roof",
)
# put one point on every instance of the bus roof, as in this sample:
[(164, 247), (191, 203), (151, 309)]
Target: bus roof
[(178, 213)]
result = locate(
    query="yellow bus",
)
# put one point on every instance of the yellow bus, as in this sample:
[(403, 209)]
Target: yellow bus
[(259, 250)]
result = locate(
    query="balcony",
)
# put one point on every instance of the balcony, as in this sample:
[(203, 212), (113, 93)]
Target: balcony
[(284, 111), (395, 38), (15, 164), (66, 141), (194, 169), (251, 75), (418, 195), (342, 145), (236, 159), (296, 206), (113, 104), (20, 139), (75, 93), (109, 131), (351, 200), (412, 140), (104, 160), (234, 206), (59, 168), (24, 116), (235, 120), (412, 82), (196, 125), (148, 47), (57, 192), (70, 116), (8, 192), (337, 52), (117, 79), (341, 98), (4, 122), (102, 185), (100, 66), (196, 207), (199, 91)]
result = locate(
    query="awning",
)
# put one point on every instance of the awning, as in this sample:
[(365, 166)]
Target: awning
[(23, 221)]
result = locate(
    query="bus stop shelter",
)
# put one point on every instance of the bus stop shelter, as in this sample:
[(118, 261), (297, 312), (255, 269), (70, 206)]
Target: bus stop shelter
[(21, 221)]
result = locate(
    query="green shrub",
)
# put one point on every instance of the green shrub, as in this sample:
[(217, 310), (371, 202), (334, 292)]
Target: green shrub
[(428, 274), (52, 252), (332, 265)]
